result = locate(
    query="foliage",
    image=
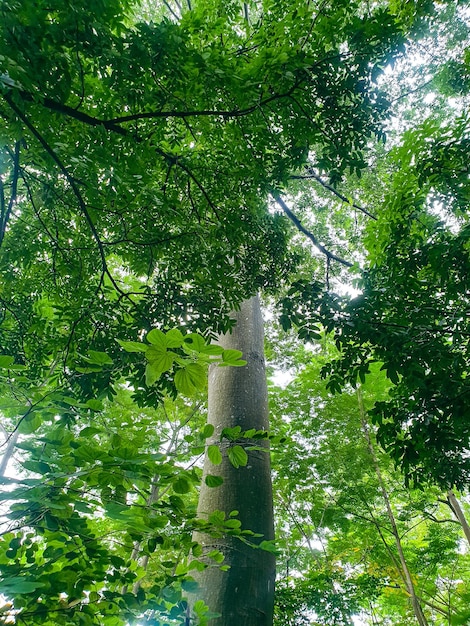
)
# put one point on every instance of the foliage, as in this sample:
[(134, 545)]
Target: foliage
[(339, 558), (411, 315), (137, 158)]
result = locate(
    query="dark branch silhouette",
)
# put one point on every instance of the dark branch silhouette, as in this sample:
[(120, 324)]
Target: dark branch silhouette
[(6, 210), (113, 125), (311, 174), (74, 187), (295, 220)]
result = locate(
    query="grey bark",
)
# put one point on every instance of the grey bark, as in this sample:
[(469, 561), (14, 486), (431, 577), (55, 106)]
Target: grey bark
[(459, 514), (243, 595), (10, 443)]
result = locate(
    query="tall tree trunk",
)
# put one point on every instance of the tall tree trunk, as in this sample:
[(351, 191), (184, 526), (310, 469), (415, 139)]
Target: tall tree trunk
[(405, 572), (243, 595), (459, 514)]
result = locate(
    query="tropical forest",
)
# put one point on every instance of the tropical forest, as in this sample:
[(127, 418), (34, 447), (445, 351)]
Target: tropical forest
[(235, 312)]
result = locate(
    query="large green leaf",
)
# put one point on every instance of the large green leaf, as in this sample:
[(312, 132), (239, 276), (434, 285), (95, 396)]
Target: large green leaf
[(237, 456), (214, 454), (190, 378)]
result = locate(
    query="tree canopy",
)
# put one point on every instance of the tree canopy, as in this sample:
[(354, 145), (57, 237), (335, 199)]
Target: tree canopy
[(160, 165)]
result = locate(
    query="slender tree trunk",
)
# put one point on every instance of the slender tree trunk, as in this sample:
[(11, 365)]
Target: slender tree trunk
[(406, 575), (458, 512), (10, 442), (243, 595)]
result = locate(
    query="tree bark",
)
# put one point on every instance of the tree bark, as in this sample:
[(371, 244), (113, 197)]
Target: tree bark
[(10, 442), (243, 595), (459, 514)]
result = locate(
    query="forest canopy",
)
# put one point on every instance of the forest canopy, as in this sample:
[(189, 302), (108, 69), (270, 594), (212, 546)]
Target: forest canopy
[(160, 165)]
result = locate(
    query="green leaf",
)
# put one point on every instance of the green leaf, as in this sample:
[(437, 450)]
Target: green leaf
[(231, 433), (157, 338), (117, 511), (18, 585), (214, 454), (174, 338), (208, 431), (233, 523), (132, 346), (99, 358), (213, 481), (212, 350), (30, 424), (195, 342), (182, 485), (6, 361), (269, 546), (237, 456), (95, 405), (216, 556), (159, 362), (233, 357), (217, 517), (88, 369), (190, 586), (190, 378)]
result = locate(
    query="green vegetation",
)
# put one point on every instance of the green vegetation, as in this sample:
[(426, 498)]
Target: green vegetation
[(159, 166)]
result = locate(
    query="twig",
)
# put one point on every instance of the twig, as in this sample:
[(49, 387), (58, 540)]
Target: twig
[(311, 174), (295, 220), (167, 4), (174, 160)]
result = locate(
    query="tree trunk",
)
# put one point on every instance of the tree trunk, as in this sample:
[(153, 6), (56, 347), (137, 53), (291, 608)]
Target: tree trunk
[(10, 443), (243, 595), (459, 514)]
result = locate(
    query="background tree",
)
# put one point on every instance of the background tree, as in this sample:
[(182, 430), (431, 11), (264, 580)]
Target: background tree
[(356, 542)]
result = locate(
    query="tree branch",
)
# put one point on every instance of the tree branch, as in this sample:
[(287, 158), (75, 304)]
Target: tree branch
[(311, 174), (113, 124), (64, 109), (202, 113), (167, 4), (178, 163), (6, 211), (73, 185), (295, 220)]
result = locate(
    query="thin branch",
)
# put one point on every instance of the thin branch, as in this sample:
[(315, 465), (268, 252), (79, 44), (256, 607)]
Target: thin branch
[(14, 433), (311, 174), (5, 215), (167, 4), (295, 220), (434, 606), (313, 23), (74, 187), (54, 240), (177, 162), (201, 113), (433, 518), (58, 107), (411, 91)]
